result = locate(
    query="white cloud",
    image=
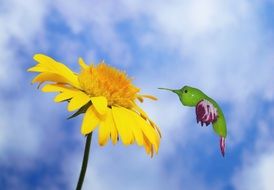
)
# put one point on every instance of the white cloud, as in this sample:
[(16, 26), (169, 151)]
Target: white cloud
[(119, 167), (98, 20), (223, 44), (20, 23), (256, 171), (17, 128), (256, 175), (218, 46)]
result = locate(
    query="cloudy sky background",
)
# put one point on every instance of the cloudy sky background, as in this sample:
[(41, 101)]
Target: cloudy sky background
[(225, 48)]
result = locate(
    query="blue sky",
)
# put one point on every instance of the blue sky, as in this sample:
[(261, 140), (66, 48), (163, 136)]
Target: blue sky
[(224, 48)]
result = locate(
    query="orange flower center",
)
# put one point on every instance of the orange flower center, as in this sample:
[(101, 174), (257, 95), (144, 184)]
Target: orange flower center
[(103, 80)]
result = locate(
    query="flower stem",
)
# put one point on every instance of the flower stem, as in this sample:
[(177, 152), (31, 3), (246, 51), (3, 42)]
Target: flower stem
[(84, 162)]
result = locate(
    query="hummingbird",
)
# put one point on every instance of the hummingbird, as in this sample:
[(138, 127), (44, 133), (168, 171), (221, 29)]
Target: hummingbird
[(207, 111)]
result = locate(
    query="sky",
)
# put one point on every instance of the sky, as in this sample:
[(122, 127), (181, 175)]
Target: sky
[(224, 48)]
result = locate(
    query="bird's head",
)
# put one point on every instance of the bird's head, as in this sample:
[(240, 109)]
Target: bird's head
[(189, 96)]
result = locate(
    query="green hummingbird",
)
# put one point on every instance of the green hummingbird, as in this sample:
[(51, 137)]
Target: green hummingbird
[(207, 110)]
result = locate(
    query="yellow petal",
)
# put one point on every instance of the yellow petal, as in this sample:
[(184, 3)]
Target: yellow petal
[(78, 100), (136, 129), (39, 68), (140, 98), (63, 96), (113, 129), (155, 127), (149, 132), (149, 97), (42, 77), (123, 122), (148, 146), (90, 121), (57, 88), (139, 110), (105, 128), (100, 104), (45, 61), (138, 135), (132, 140), (47, 64), (82, 63), (51, 64), (43, 58)]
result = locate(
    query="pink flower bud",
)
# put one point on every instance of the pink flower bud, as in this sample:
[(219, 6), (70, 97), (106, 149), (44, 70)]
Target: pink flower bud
[(206, 112)]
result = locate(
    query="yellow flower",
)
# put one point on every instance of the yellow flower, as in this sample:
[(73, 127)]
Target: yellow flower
[(107, 98)]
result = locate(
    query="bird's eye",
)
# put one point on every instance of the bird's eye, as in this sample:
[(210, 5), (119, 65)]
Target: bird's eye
[(185, 91)]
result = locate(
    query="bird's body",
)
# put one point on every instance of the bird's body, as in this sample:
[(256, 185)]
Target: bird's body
[(207, 110)]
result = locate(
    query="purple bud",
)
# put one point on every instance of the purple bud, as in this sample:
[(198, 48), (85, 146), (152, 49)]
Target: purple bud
[(206, 112)]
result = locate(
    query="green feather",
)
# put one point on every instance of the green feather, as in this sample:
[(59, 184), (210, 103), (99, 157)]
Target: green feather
[(190, 96)]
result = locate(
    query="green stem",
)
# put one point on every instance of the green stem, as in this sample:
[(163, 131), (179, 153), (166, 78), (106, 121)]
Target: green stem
[(84, 162)]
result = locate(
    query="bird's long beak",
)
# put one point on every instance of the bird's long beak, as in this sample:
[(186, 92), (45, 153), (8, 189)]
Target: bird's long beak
[(172, 90)]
